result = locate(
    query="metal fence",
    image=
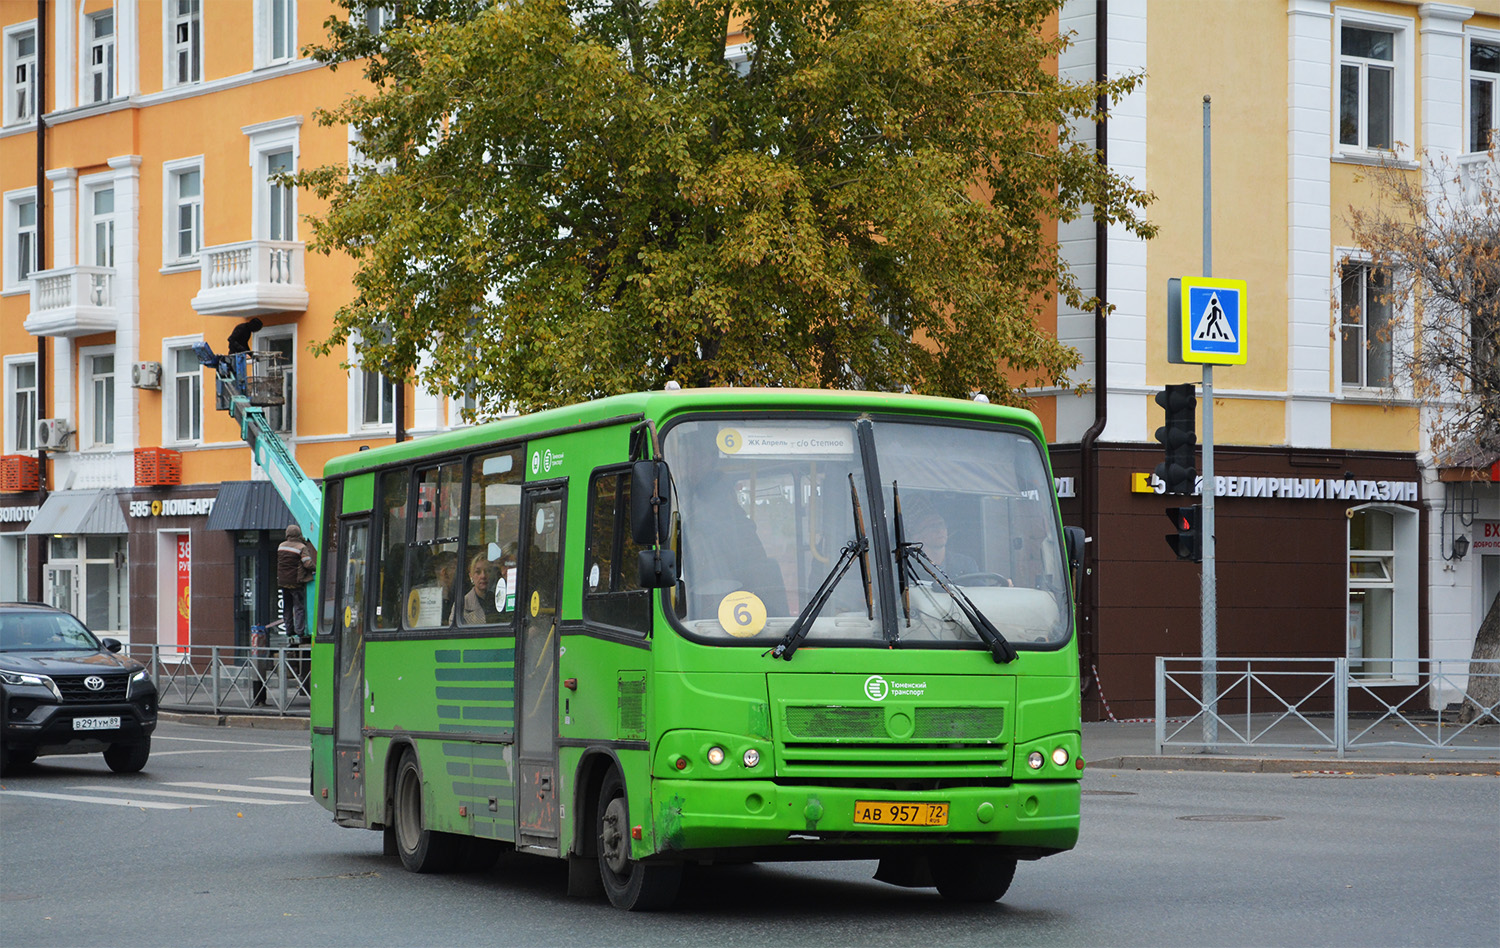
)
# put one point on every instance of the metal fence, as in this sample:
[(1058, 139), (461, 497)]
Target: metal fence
[(219, 678), (1320, 704)]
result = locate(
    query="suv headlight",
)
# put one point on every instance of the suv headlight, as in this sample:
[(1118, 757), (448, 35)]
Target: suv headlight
[(35, 681), (139, 683)]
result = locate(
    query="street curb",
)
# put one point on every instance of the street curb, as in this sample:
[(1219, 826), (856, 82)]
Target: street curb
[(1275, 765), (264, 722)]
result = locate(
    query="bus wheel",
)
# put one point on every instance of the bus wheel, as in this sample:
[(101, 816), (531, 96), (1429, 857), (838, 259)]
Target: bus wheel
[(972, 875), (420, 849), (631, 885)]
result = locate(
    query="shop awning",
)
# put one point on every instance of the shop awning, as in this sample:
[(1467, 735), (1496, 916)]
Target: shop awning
[(249, 505), (79, 513)]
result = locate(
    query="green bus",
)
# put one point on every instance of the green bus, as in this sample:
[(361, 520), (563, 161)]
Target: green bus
[(680, 627)]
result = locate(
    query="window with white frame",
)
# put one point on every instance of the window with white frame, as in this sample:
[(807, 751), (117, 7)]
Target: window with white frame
[(1382, 602), (1484, 82), (100, 232), (20, 73), (22, 252), (99, 57), (99, 397), (275, 31), (378, 19), (281, 341), (20, 399), (184, 210), (281, 199), (1374, 76), (185, 404), (184, 23), (377, 400), (1365, 325)]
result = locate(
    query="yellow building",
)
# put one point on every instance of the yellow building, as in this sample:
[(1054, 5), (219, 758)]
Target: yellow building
[(1334, 536), (147, 221)]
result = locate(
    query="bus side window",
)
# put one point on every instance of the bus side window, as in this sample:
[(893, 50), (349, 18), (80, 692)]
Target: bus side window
[(491, 539), (612, 591), (392, 514), (432, 553), (333, 505)]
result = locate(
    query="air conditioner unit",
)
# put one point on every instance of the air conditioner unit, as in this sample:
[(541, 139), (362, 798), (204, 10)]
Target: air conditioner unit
[(52, 434), (146, 375)]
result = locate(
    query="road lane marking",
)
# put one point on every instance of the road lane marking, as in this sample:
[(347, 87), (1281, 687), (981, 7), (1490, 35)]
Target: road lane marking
[(234, 787), (219, 740), (298, 780), (222, 798), (109, 801)]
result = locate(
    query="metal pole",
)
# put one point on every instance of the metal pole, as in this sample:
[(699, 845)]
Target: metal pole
[(1210, 605)]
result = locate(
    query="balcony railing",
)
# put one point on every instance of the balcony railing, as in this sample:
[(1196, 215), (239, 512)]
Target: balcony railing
[(252, 278), (72, 301)]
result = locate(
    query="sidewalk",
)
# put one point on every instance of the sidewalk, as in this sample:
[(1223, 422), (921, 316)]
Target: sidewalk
[(1111, 746)]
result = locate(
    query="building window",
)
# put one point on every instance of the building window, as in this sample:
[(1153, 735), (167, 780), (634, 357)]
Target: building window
[(1365, 325), (184, 216), (185, 41), (281, 203), (99, 75), (1382, 620), (20, 395), (1484, 80), (22, 252), (20, 75), (186, 405), (377, 400), (99, 374), (285, 347), (378, 19), (1367, 86), (101, 230), (87, 577), (282, 29)]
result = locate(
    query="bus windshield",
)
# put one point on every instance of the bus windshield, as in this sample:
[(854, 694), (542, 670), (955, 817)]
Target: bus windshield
[(764, 511)]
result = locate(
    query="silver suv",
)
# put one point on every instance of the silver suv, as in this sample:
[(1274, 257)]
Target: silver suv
[(64, 691)]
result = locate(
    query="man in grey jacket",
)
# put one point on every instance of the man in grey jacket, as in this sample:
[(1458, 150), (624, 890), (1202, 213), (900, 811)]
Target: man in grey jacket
[(295, 561)]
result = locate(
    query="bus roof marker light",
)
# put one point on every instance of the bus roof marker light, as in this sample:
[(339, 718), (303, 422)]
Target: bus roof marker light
[(981, 398), (671, 386)]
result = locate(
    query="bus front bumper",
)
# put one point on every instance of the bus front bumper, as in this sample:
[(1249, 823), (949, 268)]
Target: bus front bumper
[(730, 814)]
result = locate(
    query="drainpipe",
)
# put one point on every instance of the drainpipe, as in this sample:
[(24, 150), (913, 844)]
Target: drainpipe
[(37, 555), (1088, 456)]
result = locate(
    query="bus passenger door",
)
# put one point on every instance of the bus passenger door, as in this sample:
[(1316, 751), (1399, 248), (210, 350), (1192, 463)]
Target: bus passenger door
[(349, 666), (538, 602)]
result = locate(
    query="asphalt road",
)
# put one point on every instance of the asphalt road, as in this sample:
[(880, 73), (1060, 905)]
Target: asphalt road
[(217, 843)]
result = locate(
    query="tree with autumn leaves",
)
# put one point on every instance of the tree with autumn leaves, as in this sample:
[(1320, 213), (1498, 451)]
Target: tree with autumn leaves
[(561, 199), (1436, 233)]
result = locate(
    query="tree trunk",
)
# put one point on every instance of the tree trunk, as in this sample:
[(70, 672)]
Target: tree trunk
[(1483, 692)]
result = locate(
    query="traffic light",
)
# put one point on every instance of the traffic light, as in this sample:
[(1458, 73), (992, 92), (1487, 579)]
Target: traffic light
[(1179, 438), (1187, 542)]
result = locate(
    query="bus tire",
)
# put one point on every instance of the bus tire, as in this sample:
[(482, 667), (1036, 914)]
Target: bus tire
[(630, 884), (973, 874), (420, 849)]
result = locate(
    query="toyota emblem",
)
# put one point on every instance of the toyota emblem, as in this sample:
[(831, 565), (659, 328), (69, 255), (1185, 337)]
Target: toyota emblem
[(94, 683)]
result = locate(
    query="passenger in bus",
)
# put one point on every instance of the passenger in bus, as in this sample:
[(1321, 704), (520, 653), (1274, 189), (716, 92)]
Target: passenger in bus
[(479, 601), (930, 529), (445, 571)]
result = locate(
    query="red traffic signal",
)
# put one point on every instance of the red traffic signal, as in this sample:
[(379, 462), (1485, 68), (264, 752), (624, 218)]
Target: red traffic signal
[(1187, 542)]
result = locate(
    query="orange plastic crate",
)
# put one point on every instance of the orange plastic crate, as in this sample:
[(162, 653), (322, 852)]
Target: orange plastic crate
[(19, 472), (157, 467)]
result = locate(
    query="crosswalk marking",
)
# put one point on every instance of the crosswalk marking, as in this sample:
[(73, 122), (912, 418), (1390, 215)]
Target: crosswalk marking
[(108, 801), (232, 787), (220, 797)]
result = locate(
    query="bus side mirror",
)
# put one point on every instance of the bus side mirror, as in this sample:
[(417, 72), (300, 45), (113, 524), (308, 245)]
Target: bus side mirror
[(1076, 539), (658, 569), (650, 502)]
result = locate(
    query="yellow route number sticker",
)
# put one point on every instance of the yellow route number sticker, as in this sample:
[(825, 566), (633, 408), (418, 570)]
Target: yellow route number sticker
[(742, 614), (536, 603), (730, 440)]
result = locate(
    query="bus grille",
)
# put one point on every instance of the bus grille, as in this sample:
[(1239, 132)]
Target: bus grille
[(825, 723), (881, 742)]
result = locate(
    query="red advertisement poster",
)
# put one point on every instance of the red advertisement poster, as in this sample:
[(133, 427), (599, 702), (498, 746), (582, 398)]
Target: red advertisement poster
[(184, 601)]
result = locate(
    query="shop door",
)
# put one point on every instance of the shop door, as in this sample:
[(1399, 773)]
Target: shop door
[(247, 586), (540, 583), (62, 588), (349, 664)]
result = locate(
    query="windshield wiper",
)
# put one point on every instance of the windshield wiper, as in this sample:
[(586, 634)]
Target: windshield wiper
[(857, 547), (909, 556)]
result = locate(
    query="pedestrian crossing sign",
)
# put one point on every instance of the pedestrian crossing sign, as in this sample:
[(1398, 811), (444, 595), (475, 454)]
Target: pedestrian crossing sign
[(1206, 321)]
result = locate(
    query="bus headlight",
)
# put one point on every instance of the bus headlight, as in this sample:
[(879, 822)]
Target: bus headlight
[(1035, 760), (716, 755), (1060, 756), (752, 757)]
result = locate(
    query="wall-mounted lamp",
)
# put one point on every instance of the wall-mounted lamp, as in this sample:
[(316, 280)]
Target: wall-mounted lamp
[(1460, 547)]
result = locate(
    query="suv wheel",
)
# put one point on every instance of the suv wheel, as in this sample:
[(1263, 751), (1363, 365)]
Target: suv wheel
[(127, 758)]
